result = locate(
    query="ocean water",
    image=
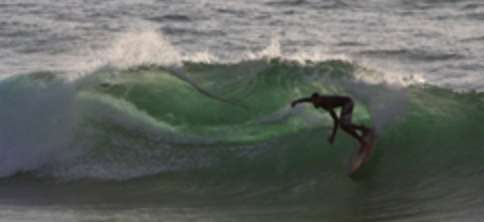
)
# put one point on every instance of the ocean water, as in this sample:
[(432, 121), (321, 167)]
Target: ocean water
[(156, 110)]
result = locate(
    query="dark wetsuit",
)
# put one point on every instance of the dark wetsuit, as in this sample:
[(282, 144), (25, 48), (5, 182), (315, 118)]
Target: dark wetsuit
[(329, 103)]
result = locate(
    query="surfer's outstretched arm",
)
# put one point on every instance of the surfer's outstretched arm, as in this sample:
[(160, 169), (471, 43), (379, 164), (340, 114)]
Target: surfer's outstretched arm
[(335, 126), (302, 100)]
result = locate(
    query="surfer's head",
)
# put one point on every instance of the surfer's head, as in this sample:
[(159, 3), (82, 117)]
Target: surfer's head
[(314, 96)]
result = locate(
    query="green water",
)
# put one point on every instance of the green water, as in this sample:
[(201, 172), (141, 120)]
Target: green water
[(221, 141)]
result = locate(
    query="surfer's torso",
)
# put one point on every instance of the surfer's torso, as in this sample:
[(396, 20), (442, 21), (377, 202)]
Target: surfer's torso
[(331, 102)]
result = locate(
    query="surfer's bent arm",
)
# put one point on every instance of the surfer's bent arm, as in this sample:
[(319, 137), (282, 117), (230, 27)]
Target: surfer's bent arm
[(303, 100), (335, 126)]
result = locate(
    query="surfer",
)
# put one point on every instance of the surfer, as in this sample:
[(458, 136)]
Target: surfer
[(329, 103)]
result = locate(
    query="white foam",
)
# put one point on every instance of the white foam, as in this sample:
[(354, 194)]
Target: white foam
[(273, 50), (38, 122), (150, 47), (131, 49), (383, 75), (201, 57)]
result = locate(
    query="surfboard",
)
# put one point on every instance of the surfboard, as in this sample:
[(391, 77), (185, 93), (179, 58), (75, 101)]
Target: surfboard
[(362, 155)]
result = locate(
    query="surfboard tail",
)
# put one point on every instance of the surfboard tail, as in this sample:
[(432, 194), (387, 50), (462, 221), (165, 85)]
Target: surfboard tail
[(362, 155)]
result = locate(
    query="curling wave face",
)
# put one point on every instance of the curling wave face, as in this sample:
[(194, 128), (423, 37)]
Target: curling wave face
[(144, 120), (225, 132)]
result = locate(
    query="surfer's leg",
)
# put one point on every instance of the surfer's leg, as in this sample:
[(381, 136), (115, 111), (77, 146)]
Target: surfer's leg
[(364, 130), (346, 117), (347, 125), (348, 128)]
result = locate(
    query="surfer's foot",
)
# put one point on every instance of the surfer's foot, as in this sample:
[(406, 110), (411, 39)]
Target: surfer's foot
[(363, 147), (367, 135), (366, 139)]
